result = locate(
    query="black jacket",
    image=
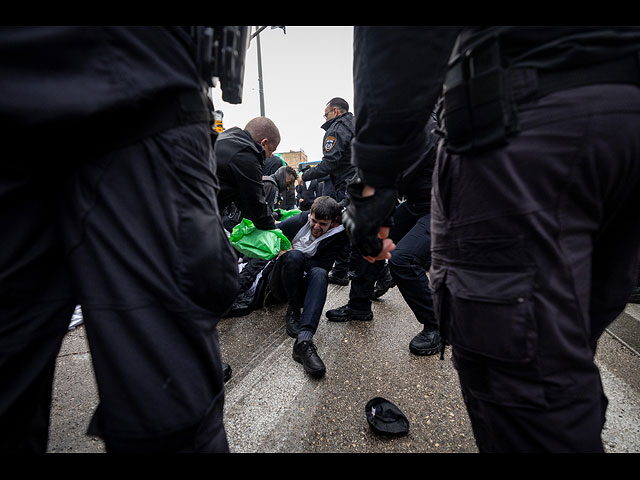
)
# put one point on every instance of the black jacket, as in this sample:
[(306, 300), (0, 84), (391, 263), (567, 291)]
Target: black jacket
[(275, 188), (328, 249), (308, 194), (336, 150), (239, 167), (272, 164)]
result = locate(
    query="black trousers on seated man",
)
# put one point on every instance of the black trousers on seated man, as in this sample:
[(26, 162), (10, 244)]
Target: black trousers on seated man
[(301, 287)]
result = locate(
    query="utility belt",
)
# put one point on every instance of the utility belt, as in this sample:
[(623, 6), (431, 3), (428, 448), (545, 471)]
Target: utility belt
[(478, 109)]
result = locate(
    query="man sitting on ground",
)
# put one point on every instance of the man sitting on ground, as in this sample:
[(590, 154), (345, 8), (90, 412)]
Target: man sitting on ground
[(299, 276)]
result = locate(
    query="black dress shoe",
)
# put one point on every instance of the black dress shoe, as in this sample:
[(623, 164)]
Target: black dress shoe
[(427, 342), (306, 354), (293, 322), (226, 372), (346, 313)]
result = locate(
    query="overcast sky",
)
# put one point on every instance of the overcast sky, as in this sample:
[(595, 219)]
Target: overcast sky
[(302, 70)]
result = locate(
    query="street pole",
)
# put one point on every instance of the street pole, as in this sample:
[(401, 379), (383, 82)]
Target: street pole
[(260, 86)]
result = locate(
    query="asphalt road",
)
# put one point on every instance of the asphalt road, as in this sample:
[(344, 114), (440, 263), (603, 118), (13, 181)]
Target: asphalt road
[(272, 406)]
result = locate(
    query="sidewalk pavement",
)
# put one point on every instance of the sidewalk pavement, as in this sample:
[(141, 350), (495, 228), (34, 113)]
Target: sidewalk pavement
[(273, 406)]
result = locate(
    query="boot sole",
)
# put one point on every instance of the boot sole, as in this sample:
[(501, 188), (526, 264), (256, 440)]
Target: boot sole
[(424, 352), (351, 317)]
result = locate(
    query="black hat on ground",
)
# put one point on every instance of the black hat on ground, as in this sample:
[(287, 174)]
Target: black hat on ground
[(385, 418)]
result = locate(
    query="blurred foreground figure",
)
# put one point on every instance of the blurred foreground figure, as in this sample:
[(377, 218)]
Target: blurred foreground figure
[(534, 207), (108, 200)]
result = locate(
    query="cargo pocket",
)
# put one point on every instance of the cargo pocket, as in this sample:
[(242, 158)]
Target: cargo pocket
[(490, 313), (209, 273), (207, 268)]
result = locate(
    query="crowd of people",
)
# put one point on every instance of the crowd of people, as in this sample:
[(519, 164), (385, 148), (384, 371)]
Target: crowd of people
[(319, 246), (504, 161)]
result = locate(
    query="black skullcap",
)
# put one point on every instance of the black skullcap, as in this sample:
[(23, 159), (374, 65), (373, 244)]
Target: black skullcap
[(386, 418)]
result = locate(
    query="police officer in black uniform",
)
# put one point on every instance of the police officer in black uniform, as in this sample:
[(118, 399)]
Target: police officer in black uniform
[(411, 260), (537, 180), (108, 200), (336, 163), (336, 148)]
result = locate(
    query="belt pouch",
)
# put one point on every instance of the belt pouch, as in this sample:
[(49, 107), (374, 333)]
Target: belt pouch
[(478, 112)]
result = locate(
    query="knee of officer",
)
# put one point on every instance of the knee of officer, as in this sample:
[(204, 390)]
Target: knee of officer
[(400, 262)]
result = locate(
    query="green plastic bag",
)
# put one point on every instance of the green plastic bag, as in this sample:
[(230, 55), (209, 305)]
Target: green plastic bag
[(254, 243), (288, 213)]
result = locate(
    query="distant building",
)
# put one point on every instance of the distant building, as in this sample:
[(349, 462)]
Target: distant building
[(292, 158)]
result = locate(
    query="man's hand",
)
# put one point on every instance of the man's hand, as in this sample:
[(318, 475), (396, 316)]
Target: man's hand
[(387, 246), (367, 220)]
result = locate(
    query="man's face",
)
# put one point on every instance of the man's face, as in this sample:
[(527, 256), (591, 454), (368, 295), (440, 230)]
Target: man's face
[(319, 226), (291, 181), (330, 113), (268, 147)]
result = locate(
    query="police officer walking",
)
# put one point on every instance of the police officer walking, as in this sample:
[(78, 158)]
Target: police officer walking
[(533, 215), (108, 202)]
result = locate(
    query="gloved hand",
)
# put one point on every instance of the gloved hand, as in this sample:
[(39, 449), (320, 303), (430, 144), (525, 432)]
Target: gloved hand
[(364, 218)]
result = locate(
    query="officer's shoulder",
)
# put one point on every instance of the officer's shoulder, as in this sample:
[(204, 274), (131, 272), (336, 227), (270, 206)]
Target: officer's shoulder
[(344, 122)]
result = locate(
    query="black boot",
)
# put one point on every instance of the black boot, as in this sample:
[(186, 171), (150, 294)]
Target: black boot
[(346, 313), (226, 372), (383, 284), (293, 322), (337, 279), (427, 342), (307, 354)]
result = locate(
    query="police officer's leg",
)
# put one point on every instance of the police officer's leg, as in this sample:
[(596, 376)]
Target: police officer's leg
[(155, 272), (409, 265), (362, 284), (339, 274), (512, 271), (36, 303), (347, 261)]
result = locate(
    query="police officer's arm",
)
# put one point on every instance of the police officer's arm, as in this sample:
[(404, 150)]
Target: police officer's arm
[(398, 74), (332, 149), (250, 199)]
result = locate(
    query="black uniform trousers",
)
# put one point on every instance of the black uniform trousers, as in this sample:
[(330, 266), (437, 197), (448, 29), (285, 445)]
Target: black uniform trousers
[(534, 247), (135, 237), (409, 264)]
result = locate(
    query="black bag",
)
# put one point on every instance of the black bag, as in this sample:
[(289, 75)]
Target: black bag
[(252, 297)]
